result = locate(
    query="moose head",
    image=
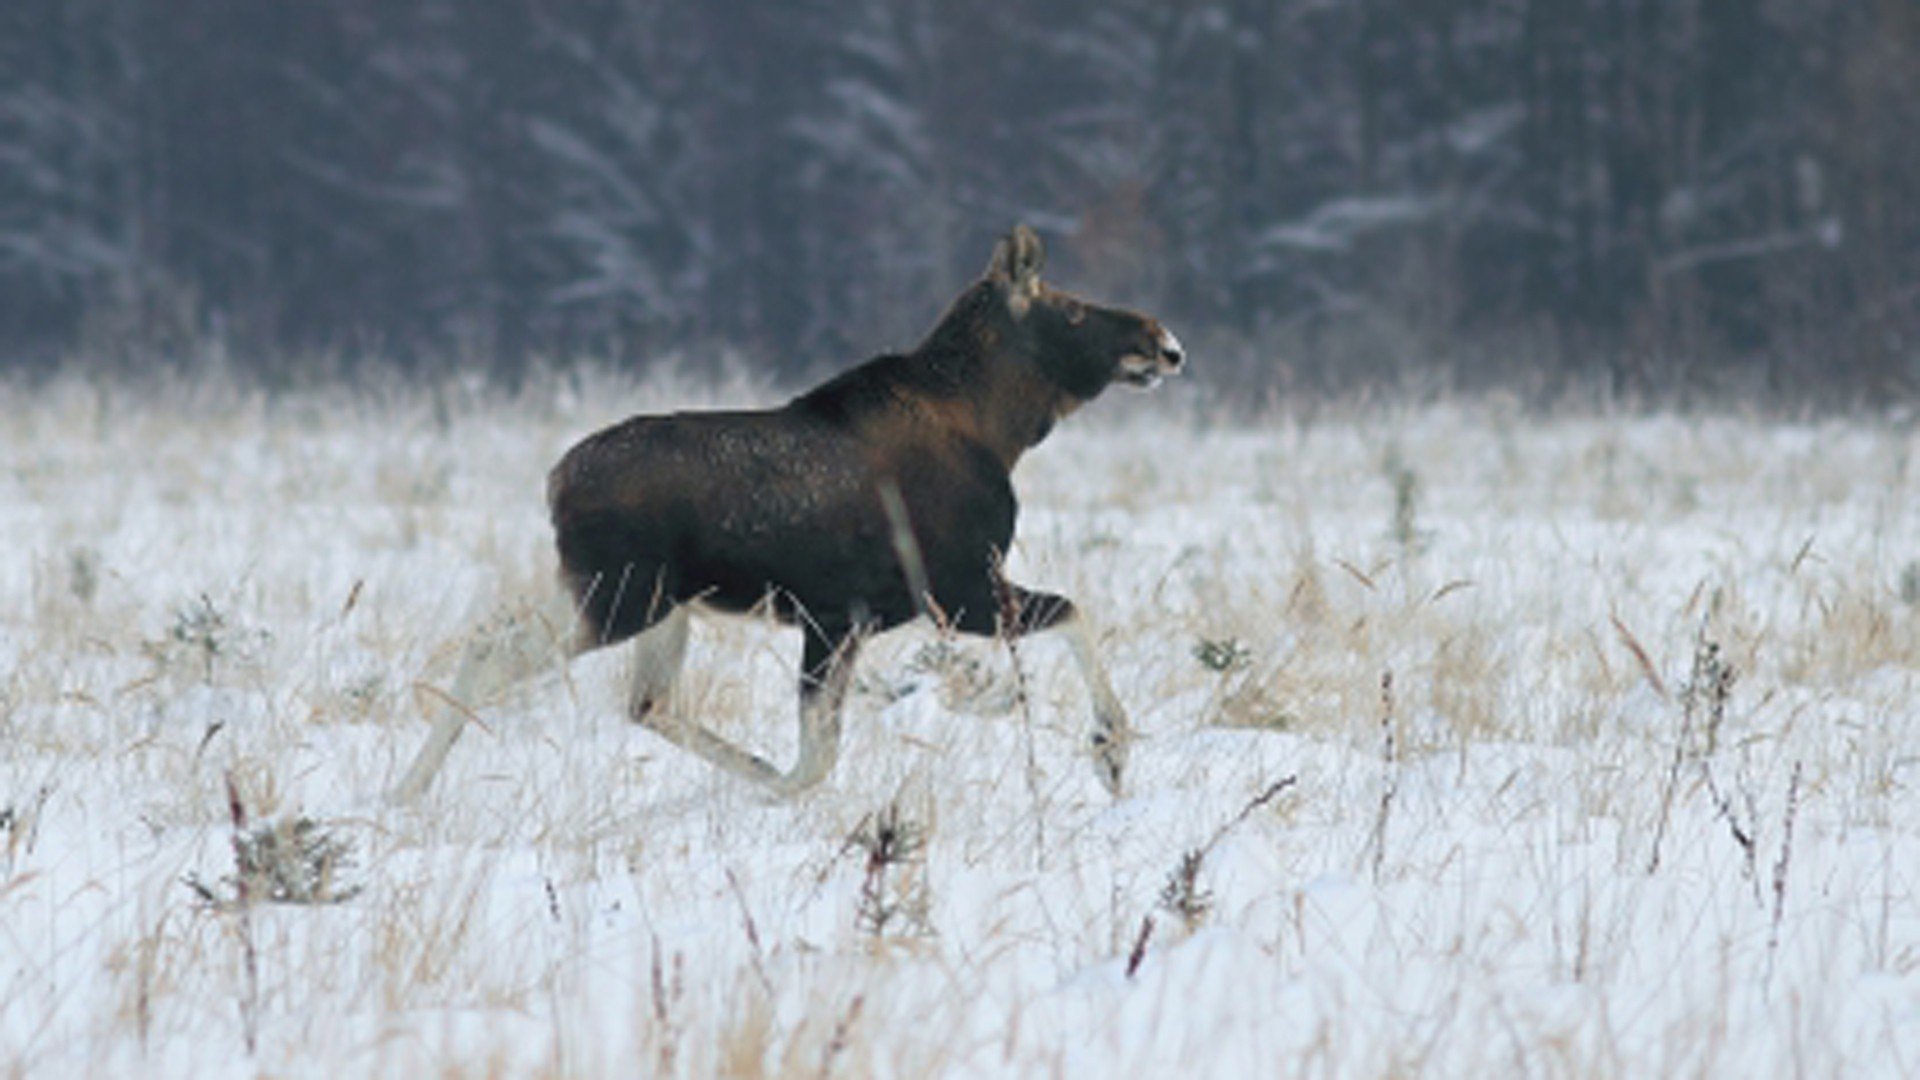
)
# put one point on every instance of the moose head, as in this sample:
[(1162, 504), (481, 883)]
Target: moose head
[(1081, 346)]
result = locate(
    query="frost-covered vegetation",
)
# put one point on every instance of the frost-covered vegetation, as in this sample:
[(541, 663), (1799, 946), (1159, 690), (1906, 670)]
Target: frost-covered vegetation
[(1678, 196), (1476, 742)]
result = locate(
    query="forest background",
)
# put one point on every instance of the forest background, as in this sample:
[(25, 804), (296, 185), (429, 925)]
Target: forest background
[(1655, 197)]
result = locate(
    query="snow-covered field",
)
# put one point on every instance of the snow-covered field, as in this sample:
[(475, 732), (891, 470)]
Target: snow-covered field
[(1440, 773)]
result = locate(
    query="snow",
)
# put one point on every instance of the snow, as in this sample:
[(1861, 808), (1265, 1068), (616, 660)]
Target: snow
[(574, 896), (1336, 224)]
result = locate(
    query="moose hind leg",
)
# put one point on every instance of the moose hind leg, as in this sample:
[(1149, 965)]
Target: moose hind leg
[(823, 690), (513, 646), (658, 654), (827, 672)]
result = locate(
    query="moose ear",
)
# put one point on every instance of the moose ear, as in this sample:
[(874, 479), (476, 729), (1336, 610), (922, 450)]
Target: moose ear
[(1016, 264)]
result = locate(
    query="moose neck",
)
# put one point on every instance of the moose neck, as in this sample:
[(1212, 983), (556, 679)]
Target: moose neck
[(975, 356), (1016, 405)]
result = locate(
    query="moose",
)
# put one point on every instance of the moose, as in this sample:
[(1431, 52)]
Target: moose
[(879, 496)]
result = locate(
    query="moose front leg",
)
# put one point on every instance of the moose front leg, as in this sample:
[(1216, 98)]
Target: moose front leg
[(827, 671), (1024, 611), (1112, 737)]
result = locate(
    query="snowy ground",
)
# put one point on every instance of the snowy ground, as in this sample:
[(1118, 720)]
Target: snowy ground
[(1575, 858)]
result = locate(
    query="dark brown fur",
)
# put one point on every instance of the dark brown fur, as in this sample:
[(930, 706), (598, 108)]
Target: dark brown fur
[(732, 508)]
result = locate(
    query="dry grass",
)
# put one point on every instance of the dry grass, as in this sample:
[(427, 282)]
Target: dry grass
[(208, 584)]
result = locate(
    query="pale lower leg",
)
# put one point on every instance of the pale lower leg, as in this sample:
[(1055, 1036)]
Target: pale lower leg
[(658, 654), (820, 710), (513, 646), (1112, 735), (820, 707)]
